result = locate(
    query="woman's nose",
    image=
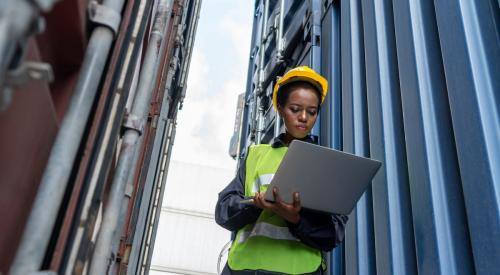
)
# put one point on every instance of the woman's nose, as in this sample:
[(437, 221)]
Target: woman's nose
[(303, 116)]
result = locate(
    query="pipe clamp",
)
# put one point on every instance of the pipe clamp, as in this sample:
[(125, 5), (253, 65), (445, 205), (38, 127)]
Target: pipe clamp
[(104, 16), (133, 122)]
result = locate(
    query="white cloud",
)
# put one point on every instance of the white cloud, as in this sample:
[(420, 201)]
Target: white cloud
[(217, 76), (239, 34), (198, 72), (206, 121)]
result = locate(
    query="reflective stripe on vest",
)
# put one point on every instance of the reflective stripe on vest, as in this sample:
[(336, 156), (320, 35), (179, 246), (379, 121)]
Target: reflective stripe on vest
[(261, 181), (268, 230)]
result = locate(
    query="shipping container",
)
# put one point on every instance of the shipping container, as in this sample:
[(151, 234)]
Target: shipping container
[(414, 84), (89, 95)]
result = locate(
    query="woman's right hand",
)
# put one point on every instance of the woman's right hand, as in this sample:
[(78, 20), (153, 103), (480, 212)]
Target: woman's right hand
[(289, 212)]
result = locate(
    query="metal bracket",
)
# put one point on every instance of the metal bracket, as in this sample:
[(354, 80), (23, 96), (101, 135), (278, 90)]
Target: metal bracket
[(133, 122), (154, 121), (129, 190), (105, 16), (29, 71)]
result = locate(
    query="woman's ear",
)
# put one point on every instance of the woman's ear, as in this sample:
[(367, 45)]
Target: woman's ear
[(280, 110)]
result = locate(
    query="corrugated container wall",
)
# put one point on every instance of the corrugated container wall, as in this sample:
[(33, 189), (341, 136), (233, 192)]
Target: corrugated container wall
[(416, 85)]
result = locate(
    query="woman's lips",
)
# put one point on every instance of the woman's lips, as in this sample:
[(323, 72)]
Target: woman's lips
[(300, 127)]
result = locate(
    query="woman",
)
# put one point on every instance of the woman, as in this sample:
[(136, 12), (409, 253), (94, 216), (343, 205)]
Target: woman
[(279, 237)]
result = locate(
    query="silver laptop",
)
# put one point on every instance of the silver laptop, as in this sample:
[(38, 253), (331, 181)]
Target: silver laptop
[(327, 180)]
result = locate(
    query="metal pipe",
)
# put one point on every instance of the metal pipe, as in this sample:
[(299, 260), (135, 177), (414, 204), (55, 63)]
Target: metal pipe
[(276, 124), (122, 215), (245, 136), (162, 181), (162, 167), (160, 140), (147, 238), (54, 181), (190, 42), (131, 177), (147, 202), (262, 42), (260, 120), (140, 108), (281, 43), (16, 18), (258, 108), (160, 174), (17, 24)]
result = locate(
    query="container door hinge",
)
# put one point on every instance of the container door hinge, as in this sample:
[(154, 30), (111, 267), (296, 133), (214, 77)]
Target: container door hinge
[(29, 71)]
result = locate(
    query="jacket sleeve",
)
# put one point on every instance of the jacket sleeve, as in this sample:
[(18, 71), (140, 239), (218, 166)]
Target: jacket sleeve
[(229, 212), (319, 230)]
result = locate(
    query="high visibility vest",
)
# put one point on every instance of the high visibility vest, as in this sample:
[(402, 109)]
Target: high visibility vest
[(268, 244)]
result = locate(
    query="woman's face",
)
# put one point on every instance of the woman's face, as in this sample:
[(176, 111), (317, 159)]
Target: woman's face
[(300, 112)]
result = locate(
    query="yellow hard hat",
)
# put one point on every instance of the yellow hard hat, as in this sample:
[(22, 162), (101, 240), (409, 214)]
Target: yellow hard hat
[(302, 73)]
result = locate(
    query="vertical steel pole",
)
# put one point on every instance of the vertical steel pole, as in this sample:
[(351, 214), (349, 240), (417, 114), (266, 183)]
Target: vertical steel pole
[(257, 96), (54, 182), (102, 253), (281, 43)]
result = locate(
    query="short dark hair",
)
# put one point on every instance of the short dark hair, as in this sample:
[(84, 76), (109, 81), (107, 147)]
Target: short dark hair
[(285, 91)]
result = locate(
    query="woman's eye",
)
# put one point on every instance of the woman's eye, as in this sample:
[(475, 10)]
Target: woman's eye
[(294, 110), (312, 113)]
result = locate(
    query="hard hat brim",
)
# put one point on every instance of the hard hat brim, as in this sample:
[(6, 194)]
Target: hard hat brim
[(309, 76)]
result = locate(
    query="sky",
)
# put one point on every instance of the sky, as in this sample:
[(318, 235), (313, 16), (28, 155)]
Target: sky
[(217, 75)]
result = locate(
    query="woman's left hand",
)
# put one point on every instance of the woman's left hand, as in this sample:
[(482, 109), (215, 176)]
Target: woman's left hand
[(289, 212)]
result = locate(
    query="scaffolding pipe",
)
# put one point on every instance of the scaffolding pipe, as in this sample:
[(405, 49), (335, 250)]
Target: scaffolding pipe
[(190, 41), (16, 18), (129, 190), (277, 125), (140, 108), (162, 182), (55, 178), (280, 56), (258, 108), (138, 243)]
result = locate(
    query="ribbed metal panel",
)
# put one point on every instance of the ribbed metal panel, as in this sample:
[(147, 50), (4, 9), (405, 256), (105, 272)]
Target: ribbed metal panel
[(416, 85), (469, 37), (426, 71), (359, 242)]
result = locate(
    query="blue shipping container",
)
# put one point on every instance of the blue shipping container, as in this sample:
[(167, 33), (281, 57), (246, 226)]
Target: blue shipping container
[(415, 84)]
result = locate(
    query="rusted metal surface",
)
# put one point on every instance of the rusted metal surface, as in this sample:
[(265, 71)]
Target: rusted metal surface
[(148, 136), (29, 125), (28, 130), (63, 46), (78, 186)]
